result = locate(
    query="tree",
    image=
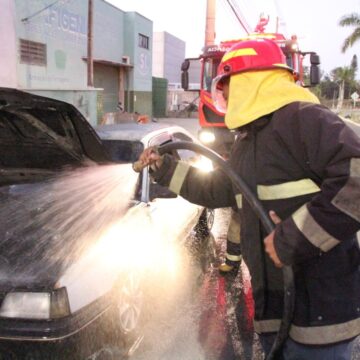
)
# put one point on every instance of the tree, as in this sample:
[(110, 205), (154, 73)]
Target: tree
[(354, 63), (345, 78), (328, 89), (354, 21)]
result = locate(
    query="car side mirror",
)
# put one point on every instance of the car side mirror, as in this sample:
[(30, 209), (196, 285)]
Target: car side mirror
[(160, 192)]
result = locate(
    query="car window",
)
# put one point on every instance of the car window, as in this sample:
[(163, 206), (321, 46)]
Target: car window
[(124, 151)]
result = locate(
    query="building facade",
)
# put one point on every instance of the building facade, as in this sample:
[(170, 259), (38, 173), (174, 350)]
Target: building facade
[(169, 52), (168, 55), (43, 47)]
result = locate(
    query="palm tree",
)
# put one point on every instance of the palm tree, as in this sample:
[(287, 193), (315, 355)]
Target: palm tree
[(354, 63), (342, 76), (354, 21)]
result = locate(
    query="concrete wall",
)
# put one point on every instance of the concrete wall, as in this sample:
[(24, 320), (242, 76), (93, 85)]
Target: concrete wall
[(108, 34), (140, 79), (8, 59), (64, 31), (62, 27), (158, 54), (169, 52), (174, 56)]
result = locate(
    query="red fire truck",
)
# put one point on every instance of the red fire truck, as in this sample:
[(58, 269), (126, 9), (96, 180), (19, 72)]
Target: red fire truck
[(214, 133)]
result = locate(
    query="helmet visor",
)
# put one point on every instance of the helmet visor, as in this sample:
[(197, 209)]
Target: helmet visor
[(217, 94)]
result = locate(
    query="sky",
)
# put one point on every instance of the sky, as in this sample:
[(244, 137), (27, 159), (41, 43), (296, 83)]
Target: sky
[(315, 22)]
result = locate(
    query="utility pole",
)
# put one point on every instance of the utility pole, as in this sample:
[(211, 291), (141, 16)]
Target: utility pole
[(90, 64), (210, 22)]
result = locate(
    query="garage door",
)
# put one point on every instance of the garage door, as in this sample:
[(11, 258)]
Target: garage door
[(107, 77)]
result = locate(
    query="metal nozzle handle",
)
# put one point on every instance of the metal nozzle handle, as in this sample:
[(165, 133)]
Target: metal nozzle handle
[(138, 166)]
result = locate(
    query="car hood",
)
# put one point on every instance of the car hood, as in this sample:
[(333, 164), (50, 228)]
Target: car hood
[(39, 136)]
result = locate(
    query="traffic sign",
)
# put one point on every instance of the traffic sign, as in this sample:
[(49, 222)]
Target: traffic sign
[(355, 96)]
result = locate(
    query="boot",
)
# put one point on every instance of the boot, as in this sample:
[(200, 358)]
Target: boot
[(229, 269)]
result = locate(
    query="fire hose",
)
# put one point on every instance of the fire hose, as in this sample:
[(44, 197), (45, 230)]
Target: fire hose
[(243, 188)]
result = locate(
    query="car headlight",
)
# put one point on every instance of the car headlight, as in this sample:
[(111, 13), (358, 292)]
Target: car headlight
[(206, 137), (35, 305)]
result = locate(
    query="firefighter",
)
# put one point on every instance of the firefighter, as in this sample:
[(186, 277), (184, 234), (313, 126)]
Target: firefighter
[(303, 163)]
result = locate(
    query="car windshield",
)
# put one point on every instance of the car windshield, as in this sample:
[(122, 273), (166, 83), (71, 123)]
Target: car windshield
[(124, 151)]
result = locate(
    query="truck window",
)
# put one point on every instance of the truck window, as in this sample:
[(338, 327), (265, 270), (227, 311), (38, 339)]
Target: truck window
[(210, 70)]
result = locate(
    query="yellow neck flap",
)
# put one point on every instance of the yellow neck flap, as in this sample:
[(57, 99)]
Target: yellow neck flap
[(256, 94)]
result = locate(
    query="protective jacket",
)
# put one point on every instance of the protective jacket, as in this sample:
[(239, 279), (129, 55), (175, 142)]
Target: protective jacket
[(303, 162)]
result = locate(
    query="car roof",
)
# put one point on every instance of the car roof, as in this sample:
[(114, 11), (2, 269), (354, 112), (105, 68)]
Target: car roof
[(137, 132)]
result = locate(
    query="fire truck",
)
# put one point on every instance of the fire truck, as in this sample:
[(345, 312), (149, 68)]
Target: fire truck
[(214, 133)]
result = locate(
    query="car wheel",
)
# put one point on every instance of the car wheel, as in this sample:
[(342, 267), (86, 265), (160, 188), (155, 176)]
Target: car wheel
[(129, 303), (205, 223), (210, 217)]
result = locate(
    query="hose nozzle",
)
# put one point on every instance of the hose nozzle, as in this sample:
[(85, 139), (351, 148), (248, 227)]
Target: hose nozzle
[(139, 165)]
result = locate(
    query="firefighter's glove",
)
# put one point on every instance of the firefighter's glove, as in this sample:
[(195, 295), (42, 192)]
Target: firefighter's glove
[(149, 157)]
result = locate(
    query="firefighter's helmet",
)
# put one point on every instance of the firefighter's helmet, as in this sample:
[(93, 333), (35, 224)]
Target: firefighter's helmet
[(248, 55)]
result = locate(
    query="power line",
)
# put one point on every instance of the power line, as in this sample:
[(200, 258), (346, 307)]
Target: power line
[(40, 11), (240, 17), (227, 9), (241, 14)]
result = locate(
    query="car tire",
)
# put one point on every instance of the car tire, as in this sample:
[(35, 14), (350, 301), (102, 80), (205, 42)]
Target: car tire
[(126, 314), (203, 246), (206, 221), (130, 303)]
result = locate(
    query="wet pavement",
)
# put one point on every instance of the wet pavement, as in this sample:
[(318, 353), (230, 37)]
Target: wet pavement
[(211, 323)]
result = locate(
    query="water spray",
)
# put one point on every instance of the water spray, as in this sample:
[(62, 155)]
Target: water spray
[(243, 188)]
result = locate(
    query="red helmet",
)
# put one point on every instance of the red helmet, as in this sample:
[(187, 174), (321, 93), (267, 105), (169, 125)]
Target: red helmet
[(257, 54), (248, 55)]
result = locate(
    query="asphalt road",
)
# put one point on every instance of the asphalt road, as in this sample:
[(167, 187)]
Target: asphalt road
[(209, 319)]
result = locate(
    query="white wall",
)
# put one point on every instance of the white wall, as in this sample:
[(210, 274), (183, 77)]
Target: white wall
[(8, 57), (158, 54), (168, 54)]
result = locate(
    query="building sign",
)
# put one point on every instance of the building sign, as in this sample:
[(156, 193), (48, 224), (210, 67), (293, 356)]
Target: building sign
[(144, 63), (61, 23)]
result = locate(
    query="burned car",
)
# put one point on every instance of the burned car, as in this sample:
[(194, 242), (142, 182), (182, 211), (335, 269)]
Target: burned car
[(74, 217)]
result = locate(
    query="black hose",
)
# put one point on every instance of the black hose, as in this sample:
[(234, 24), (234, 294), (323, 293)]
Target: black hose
[(238, 182)]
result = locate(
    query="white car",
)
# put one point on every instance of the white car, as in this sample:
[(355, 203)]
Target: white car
[(67, 288)]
